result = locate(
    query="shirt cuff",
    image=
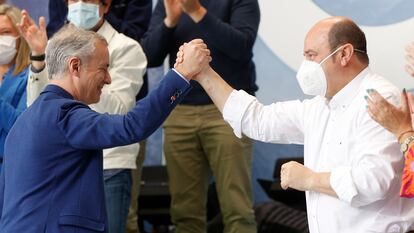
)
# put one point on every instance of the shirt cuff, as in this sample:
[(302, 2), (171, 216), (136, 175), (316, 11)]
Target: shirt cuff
[(180, 75), (36, 71), (235, 108), (342, 183)]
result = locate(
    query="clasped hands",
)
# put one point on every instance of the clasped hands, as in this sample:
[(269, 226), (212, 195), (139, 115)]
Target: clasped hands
[(193, 58)]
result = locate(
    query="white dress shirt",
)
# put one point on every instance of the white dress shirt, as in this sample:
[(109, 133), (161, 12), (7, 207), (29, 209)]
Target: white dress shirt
[(338, 137), (127, 64)]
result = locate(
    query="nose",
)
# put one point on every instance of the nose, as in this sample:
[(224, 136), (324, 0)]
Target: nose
[(108, 79)]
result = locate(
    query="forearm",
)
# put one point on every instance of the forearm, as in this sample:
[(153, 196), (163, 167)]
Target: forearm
[(38, 65), (320, 183), (218, 90)]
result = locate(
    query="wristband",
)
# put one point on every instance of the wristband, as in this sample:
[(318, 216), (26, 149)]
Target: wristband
[(37, 57)]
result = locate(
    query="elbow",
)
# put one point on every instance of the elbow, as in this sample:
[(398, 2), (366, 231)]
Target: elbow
[(376, 190)]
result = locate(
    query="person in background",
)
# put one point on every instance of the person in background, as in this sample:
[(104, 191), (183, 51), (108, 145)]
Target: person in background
[(197, 140), (399, 121), (14, 70), (127, 66), (130, 17), (352, 167)]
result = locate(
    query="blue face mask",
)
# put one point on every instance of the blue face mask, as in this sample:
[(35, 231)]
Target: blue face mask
[(83, 15)]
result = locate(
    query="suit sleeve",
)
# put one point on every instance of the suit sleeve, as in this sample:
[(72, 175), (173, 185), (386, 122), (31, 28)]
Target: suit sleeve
[(135, 20), (239, 33), (157, 40), (87, 129)]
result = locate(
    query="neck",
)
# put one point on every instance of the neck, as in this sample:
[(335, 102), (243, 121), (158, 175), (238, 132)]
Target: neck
[(68, 85), (346, 76), (98, 25)]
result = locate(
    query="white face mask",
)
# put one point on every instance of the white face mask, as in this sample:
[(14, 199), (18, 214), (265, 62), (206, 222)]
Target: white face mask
[(7, 49), (83, 15), (311, 76)]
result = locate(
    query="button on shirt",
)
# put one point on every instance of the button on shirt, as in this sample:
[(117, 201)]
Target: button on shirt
[(338, 137)]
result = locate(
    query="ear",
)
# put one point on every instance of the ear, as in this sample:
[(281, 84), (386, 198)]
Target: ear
[(346, 54), (74, 66)]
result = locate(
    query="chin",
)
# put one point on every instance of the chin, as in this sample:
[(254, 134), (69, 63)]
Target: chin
[(96, 100)]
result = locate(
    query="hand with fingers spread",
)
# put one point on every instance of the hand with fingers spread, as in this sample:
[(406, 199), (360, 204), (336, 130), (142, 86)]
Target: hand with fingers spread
[(35, 36), (295, 175), (194, 57), (397, 120), (409, 56), (173, 12)]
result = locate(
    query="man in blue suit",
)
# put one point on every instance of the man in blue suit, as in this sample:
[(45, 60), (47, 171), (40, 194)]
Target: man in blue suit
[(52, 179)]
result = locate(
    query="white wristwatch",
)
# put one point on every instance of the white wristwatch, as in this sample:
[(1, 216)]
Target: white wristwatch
[(405, 143)]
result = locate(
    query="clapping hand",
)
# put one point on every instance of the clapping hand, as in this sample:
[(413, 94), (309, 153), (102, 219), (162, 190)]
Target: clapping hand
[(409, 56), (35, 36), (395, 119)]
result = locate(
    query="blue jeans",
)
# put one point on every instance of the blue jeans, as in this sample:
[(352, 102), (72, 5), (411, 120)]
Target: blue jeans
[(118, 199)]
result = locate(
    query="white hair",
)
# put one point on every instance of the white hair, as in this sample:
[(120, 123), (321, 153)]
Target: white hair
[(67, 43)]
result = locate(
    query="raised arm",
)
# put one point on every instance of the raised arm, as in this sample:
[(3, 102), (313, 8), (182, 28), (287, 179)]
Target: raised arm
[(35, 36), (79, 122)]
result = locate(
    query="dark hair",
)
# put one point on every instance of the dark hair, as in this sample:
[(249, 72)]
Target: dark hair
[(346, 31)]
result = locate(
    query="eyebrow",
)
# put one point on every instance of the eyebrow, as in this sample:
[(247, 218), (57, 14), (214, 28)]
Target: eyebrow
[(310, 51), (6, 28)]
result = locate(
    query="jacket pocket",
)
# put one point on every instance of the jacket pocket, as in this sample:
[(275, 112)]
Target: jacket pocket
[(82, 222)]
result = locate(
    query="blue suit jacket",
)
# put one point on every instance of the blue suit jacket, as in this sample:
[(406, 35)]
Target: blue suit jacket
[(52, 178)]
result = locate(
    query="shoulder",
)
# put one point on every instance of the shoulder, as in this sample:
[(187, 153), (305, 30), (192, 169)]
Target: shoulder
[(121, 45), (21, 75), (383, 86), (117, 39)]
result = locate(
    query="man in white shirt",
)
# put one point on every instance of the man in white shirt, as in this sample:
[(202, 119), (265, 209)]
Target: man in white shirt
[(126, 66), (352, 169)]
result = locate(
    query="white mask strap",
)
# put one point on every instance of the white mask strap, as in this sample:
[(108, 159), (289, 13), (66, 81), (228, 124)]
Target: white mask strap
[(336, 50)]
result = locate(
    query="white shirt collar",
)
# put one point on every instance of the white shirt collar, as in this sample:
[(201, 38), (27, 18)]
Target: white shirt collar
[(107, 31), (345, 96)]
